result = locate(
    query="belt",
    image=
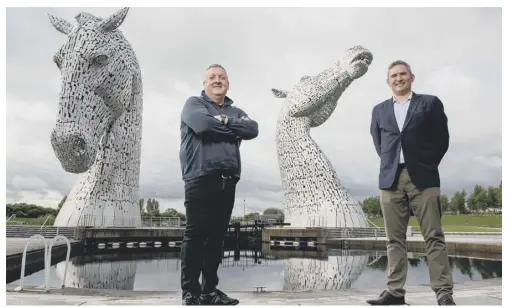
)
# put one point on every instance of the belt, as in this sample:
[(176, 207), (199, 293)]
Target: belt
[(402, 166)]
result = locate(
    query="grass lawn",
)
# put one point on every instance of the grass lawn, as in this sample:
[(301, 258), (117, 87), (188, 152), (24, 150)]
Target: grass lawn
[(33, 221), (460, 223)]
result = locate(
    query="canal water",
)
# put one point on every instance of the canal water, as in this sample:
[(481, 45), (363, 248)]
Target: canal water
[(276, 270)]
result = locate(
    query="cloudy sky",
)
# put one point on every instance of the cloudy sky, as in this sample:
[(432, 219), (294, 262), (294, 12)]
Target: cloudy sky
[(454, 52)]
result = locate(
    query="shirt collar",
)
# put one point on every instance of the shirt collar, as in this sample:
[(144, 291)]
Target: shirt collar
[(408, 99)]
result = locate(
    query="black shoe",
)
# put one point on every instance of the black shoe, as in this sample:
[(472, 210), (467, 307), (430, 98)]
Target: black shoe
[(190, 299), (387, 298), (446, 300), (217, 298)]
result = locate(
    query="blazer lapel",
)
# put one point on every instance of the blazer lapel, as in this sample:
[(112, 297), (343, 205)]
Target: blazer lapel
[(391, 114), (412, 109)]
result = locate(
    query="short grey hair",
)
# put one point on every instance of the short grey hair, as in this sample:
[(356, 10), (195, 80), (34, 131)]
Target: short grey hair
[(215, 65), (399, 62)]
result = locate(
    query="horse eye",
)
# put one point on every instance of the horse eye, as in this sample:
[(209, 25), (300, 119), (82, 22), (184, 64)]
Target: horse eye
[(101, 59)]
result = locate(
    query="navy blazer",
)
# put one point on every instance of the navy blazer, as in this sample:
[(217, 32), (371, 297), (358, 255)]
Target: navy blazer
[(424, 140)]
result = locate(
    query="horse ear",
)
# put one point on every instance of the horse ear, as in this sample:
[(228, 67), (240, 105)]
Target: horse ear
[(60, 24), (279, 93), (114, 21)]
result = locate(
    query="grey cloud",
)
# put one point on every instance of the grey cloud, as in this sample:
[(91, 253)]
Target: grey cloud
[(50, 176)]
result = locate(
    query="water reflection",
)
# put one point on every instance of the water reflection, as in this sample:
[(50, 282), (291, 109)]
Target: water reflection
[(335, 272), (117, 275), (318, 269), (486, 268)]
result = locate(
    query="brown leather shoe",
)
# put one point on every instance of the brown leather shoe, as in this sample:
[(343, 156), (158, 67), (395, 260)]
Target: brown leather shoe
[(387, 298)]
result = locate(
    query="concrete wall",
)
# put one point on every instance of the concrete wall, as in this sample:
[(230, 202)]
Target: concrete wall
[(110, 233), (291, 233), (419, 246)]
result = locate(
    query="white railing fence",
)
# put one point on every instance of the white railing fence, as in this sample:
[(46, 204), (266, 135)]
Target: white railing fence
[(129, 222)]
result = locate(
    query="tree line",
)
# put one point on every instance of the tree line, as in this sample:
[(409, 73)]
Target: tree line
[(150, 207), (480, 200), (27, 210)]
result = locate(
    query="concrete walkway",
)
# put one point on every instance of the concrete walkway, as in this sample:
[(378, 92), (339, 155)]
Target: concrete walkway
[(485, 292)]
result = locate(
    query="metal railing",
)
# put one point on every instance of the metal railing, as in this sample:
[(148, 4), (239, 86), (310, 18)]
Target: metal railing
[(161, 222), (357, 232), (23, 261), (372, 223), (100, 221), (25, 231), (45, 221), (47, 260), (11, 217), (376, 228)]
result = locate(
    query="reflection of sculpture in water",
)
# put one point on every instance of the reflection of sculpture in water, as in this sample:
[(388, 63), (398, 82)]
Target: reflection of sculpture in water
[(337, 272), (111, 272), (99, 124), (313, 194), (116, 275)]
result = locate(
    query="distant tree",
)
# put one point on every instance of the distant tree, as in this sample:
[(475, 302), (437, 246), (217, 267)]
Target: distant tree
[(479, 199), (153, 207), (494, 197), (251, 216), (236, 219), (28, 210), (444, 203), (272, 210), (141, 204), (498, 196), (61, 204), (173, 213), (371, 207), (457, 204)]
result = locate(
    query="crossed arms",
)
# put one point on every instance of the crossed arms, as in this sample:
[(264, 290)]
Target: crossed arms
[(197, 117)]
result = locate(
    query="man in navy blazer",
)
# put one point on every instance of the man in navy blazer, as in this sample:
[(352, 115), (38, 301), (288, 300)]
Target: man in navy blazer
[(411, 137)]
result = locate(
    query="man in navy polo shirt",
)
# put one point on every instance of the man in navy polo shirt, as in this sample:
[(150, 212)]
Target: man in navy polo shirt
[(211, 133)]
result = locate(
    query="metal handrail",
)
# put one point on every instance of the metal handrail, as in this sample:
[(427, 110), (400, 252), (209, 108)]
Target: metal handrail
[(100, 221), (377, 257), (23, 262), (372, 223), (12, 216), (376, 228), (48, 260), (45, 221)]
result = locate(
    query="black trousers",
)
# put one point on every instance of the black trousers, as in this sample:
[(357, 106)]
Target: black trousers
[(209, 203)]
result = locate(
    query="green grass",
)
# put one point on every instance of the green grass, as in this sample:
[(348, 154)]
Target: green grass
[(460, 223), (33, 221)]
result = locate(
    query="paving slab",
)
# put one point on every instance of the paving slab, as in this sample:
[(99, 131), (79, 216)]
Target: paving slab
[(478, 293)]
